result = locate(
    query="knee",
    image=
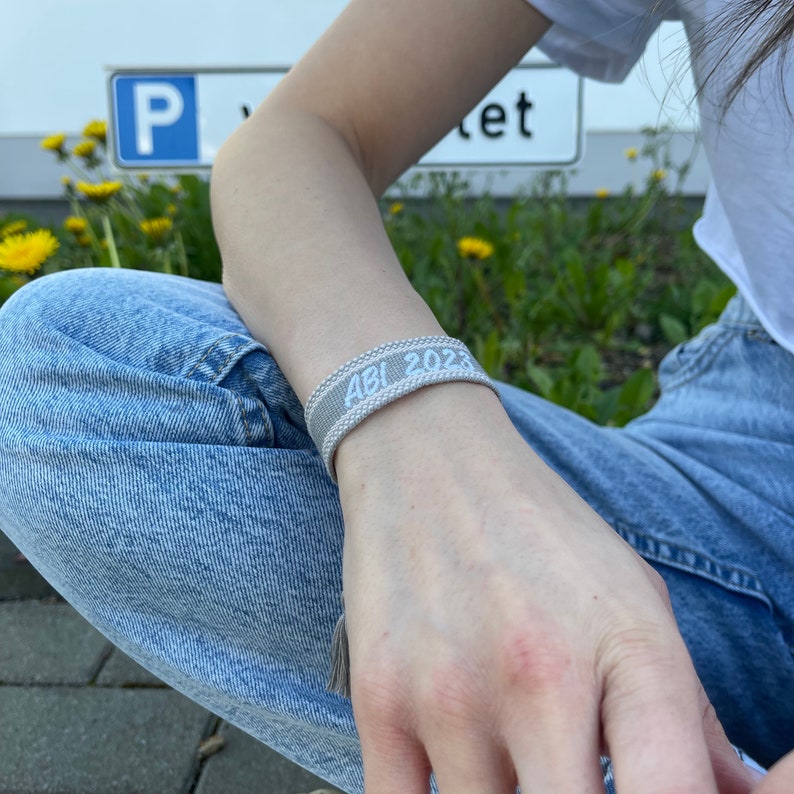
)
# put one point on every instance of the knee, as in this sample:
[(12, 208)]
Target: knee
[(43, 327), (27, 322), (58, 300), (70, 313)]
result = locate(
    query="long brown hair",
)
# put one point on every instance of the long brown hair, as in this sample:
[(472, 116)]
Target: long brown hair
[(738, 27), (775, 39)]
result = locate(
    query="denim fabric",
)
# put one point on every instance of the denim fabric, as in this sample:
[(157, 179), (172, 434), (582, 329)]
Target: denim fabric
[(155, 467)]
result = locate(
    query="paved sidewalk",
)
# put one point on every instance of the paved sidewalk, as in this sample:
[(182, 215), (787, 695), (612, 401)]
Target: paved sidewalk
[(78, 716)]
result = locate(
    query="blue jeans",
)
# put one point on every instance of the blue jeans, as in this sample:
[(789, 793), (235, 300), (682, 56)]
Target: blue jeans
[(155, 467)]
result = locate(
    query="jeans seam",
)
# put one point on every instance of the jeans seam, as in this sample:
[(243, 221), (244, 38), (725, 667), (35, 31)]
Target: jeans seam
[(702, 360), (244, 416), (737, 581), (228, 358), (267, 422), (207, 353), (262, 413)]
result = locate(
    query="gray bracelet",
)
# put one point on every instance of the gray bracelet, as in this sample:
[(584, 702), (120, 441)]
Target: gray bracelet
[(381, 376)]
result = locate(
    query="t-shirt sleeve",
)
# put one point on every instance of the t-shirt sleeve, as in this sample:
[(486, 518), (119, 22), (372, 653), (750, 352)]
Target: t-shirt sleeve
[(601, 39)]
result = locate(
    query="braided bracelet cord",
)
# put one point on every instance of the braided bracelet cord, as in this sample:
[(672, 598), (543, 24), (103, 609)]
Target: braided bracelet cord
[(379, 377)]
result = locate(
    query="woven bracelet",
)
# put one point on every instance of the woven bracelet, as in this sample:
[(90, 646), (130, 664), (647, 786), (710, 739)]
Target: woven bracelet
[(379, 377)]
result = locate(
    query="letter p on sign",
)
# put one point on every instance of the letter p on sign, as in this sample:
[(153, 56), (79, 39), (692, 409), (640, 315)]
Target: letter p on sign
[(156, 105), (155, 117)]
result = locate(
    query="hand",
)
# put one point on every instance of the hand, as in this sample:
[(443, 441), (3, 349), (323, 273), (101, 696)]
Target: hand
[(780, 779), (500, 632)]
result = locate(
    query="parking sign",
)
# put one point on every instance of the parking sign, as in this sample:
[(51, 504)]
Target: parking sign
[(155, 120), (180, 119)]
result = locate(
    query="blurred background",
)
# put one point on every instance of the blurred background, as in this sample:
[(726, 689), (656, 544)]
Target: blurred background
[(57, 58)]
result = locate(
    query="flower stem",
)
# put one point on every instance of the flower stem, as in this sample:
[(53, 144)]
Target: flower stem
[(114, 254), (180, 248)]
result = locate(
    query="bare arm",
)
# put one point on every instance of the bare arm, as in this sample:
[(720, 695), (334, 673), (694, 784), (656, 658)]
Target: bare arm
[(500, 632), (306, 260)]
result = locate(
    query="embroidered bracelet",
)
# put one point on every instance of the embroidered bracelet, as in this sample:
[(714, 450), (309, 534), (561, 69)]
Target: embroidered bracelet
[(381, 376)]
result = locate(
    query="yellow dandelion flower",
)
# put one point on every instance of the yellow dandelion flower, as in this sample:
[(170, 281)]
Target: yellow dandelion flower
[(98, 130), (66, 181), (15, 227), (396, 208), (631, 153), (84, 240), (75, 225), (100, 193), (156, 228), (171, 209), (602, 193), (85, 149), (659, 174), (54, 143), (474, 248), (26, 253)]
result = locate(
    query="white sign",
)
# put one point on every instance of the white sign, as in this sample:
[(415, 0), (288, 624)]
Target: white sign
[(179, 118), (532, 117)]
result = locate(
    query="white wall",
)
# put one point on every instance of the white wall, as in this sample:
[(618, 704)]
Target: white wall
[(54, 57)]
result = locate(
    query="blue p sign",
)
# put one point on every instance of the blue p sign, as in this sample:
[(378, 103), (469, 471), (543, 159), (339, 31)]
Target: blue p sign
[(156, 121)]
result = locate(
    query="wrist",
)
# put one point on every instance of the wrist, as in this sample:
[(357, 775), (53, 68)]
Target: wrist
[(441, 420), (371, 381)]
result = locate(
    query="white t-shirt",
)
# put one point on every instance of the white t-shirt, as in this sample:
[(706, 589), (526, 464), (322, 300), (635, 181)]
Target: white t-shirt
[(747, 226)]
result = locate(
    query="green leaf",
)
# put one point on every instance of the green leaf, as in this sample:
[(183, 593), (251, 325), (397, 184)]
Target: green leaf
[(637, 390), (587, 364), (607, 406), (8, 286), (702, 295), (489, 353), (720, 300), (675, 332), (541, 380)]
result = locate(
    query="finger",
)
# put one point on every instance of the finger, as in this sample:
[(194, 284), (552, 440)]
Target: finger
[(780, 778), (471, 763), (733, 776), (394, 760), (394, 766), (555, 744), (457, 731), (652, 723)]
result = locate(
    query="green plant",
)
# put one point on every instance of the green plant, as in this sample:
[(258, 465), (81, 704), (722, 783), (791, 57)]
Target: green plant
[(139, 222), (575, 302)]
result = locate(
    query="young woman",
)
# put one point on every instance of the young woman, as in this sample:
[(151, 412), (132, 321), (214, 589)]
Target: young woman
[(524, 591)]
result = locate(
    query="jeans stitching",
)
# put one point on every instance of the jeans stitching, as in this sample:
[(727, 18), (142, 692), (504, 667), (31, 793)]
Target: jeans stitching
[(265, 422), (231, 355), (727, 576), (219, 370), (207, 353), (702, 360), (244, 415)]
